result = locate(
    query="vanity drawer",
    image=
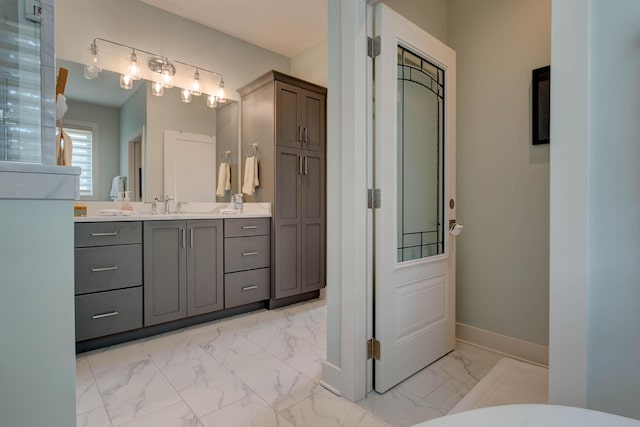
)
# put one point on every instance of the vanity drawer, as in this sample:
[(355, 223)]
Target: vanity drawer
[(107, 313), (246, 253), (89, 234), (247, 227), (246, 287), (107, 267)]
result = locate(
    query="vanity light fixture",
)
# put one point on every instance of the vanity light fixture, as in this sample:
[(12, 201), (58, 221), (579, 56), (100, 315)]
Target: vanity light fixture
[(157, 89), (92, 68), (134, 68), (165, 70), (195, 86), (126, 81), (212, 101), (185, 96)]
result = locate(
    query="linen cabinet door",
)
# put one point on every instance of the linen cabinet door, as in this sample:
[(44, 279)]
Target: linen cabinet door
[(287, 232), (205, 292), (289, 131), (165, 272), (314, 122), (313, 221)]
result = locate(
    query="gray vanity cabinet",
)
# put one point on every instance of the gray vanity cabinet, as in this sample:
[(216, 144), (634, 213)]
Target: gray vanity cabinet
[(108, 278), (312, 220), (182, 269)]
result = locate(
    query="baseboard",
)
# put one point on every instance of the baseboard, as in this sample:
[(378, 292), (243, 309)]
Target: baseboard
[(331, 378), (503, 344)]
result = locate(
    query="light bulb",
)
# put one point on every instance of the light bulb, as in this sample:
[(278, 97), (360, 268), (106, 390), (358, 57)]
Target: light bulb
[(157, 89), (92, 68), (212, 101), (126, 82), (221, 95), (195, 86), (134, 68), (90, 73), (185, 96), (167, 75)]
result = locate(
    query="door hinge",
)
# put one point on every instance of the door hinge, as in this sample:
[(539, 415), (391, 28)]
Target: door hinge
[(373, 198), (373, 349), (373, 46)]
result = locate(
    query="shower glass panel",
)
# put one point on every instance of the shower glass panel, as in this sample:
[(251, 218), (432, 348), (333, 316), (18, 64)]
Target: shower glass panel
[(420, 157)]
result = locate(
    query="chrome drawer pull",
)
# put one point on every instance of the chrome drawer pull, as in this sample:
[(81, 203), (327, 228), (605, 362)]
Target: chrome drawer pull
[(100, 316), (100, 269), (249, 253), (250, 288), (250, 227), (110, 234)]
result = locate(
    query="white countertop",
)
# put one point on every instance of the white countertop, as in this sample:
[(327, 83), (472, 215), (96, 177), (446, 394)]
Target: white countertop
[(142, 212), (530, 416)]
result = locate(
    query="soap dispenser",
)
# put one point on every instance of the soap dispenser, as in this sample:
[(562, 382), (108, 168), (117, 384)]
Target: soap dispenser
[(126, 202)]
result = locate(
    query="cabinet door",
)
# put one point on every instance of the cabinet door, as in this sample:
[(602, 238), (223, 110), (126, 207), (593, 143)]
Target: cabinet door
[(205, 291), (313, 121), (287, 213), (288, 115), (165, 274), (313, 221)]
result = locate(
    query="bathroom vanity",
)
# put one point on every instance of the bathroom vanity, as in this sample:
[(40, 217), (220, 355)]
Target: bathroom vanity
[(141, 275)]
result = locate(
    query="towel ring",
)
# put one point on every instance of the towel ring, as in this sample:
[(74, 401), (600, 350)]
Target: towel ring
[(252, 149), (226, 156)]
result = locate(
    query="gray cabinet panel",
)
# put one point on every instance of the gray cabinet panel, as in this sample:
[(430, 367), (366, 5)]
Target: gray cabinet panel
[(246, 253), (288, 172), (287, 263), (205, 291), (313, 221), (314, 125), (107, 267), (107, 233), (289, 130), (165, 278), (107, 313), (247, 227), (246, 287)]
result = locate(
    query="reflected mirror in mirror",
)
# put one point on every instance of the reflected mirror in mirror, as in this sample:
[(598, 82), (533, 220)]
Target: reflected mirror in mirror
[(120, 132)]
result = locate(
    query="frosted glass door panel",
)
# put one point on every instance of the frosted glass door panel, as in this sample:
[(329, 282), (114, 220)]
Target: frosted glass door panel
[(420, 157)]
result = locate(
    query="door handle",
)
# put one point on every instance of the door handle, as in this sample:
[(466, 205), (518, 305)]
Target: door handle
[(184, 238), (250, 288), (110, 234), (191, 237), (249, 253), (101, 269), (299, 165), (250, 227), (306, 165), (103, 315)]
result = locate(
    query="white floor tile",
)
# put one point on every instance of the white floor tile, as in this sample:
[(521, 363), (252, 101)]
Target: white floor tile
[(87, 396), (172, 348), (112, 357), (177, 415), (205, 385), (248, 412), (400, 408), (134, 390), (323, 409), (95, 418), (450, 393)]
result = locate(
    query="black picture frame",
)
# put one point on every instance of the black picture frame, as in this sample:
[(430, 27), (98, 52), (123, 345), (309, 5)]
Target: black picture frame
[(540, 105)]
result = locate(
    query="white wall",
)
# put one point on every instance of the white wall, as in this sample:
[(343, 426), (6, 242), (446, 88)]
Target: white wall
[(37, 348), (107, 143), (594, 312), (502, 180), (312, 65)]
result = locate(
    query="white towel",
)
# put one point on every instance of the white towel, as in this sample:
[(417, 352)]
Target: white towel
[(222, 180), (117, 187), (228, 186), (250, 176), (64, 148)]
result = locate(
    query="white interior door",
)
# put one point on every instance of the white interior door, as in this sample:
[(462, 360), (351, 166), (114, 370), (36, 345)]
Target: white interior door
[(415, 172), (189, 166)]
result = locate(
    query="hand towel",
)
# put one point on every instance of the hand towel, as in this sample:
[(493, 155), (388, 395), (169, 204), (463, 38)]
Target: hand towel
[(64, 148), (250, 176), (222, 179), (117, 187), (228, 185)]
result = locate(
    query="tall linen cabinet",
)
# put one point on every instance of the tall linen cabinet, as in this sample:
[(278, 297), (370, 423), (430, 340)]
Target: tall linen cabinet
[(286, 118)]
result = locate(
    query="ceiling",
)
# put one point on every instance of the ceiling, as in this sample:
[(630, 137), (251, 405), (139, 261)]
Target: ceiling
[(287, 27)]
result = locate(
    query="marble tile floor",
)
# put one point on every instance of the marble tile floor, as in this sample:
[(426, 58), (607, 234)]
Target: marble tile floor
[(260, 369)]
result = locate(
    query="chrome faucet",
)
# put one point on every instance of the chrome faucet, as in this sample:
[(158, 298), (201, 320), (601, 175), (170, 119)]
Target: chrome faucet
[(167, 199), (154, 205)]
